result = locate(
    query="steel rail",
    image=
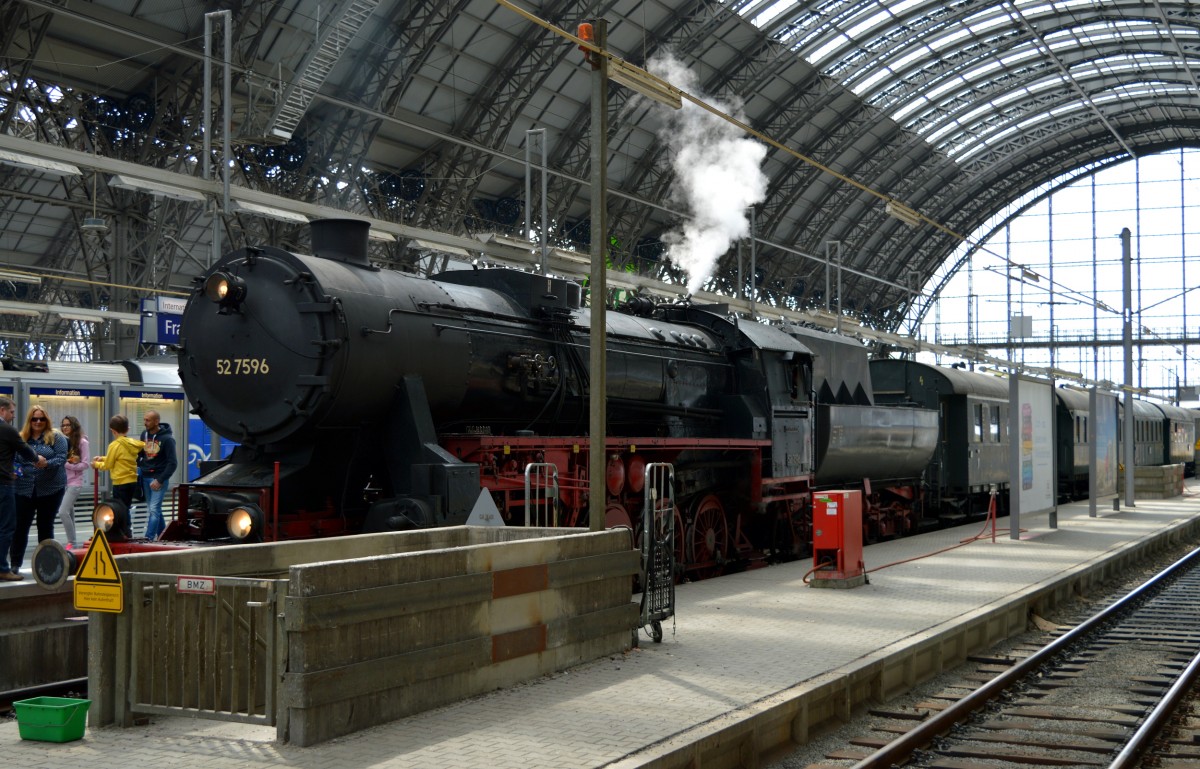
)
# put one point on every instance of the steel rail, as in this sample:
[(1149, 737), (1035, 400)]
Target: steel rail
[(1162, 714), (905, 745)]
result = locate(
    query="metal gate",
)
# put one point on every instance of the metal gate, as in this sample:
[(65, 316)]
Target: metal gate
[(541, 494), (217, 655), (658, 548)]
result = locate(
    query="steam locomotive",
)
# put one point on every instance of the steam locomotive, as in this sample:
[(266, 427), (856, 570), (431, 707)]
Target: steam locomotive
[(370, 400)]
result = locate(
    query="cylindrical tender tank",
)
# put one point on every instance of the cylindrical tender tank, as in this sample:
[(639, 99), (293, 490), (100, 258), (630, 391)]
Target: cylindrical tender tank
[(877, 442)]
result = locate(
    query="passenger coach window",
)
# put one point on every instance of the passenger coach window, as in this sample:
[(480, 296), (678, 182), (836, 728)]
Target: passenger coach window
[(995, 423), (978, 423)]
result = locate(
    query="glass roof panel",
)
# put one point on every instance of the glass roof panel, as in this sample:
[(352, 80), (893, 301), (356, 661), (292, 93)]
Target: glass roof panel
[(965, 75)]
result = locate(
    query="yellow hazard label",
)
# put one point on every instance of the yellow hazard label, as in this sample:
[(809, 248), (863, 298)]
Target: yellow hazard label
[(93, 597), (98, 567)]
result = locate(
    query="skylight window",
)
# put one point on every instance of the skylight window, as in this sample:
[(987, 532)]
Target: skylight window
[(865, 85), (920, 101), (771, 12), (917, 54), (956, 83), (984, 22), (948, 40), (819, 56)]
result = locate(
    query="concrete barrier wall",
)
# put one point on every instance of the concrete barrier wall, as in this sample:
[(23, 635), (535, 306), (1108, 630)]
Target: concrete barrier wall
[(43, 639), (382, 626), (375, 639)]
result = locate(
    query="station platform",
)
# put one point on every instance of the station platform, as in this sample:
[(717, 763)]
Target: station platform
[(752, 661)]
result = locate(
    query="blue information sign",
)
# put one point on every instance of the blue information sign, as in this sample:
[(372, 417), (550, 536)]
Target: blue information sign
[(67, 392)]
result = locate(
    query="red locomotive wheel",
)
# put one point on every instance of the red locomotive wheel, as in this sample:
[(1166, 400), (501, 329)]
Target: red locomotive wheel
[(708, 536), (615, 515)]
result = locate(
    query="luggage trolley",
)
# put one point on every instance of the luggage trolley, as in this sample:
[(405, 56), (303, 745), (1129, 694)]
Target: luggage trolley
[(541, 494), (658, 548)]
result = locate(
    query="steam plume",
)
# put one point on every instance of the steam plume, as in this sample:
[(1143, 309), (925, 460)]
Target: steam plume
[(718, 173)]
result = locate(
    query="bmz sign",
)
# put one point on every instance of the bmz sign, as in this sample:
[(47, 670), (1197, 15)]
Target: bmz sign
[(201, 585)]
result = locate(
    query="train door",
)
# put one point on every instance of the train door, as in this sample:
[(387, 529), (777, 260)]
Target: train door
[(171, 408), (91, 405)]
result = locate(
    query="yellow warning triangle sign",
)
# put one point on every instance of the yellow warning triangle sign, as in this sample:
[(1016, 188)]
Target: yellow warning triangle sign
[(98, 566)]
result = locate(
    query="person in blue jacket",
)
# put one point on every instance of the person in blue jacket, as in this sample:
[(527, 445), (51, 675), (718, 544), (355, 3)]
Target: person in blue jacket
[(39, 488), (156, 464)]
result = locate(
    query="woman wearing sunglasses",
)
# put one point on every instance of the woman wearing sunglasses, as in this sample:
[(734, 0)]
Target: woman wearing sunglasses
[(39, 491)]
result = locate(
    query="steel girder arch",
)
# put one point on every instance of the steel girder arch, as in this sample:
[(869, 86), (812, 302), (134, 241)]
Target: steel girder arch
[(862, 150), (1019, 96), (17, 19), (847, 125), (1050, 110), (968, 119), (651, 177), (1010, 49), (493, 110), (383, 68), (963, 53), (877, 153), (1066, 161), (939, 183), (646, 179), (682, 34), (571, 153), (920, 24), (918, 311)]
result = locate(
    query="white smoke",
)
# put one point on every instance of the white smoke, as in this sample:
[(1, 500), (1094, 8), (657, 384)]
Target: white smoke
[(718, 174)]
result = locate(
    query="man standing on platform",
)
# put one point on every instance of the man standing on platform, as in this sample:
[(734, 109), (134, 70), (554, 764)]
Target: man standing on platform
[(157, 464), (11, 445)]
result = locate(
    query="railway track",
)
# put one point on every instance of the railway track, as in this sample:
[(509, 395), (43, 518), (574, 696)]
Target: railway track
[(1115, 691), (75, 687)]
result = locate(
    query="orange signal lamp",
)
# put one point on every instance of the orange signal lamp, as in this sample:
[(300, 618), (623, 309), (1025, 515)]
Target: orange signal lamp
[(586, 32)]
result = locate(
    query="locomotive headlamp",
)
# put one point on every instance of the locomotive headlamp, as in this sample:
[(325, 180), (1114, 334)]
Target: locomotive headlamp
[(245, 523), (112, 517), (226, 289)]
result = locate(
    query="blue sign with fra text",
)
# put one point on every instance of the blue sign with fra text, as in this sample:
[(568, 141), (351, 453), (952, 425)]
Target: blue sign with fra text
[(161, 318), (168, 328)]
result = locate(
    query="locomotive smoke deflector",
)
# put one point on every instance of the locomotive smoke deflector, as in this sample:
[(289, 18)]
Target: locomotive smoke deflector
[(342, 240)]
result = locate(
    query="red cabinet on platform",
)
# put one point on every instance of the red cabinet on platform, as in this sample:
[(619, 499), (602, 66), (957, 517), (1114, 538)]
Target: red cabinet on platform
[(837, 538)]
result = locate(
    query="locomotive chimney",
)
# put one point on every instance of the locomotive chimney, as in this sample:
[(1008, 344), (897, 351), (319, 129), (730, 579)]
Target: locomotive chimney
[(342, 240)]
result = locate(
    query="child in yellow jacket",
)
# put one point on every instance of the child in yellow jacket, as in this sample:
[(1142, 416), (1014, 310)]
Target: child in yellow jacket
[(121, 461)]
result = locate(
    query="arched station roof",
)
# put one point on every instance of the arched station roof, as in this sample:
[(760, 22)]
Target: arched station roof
[(416, 113)]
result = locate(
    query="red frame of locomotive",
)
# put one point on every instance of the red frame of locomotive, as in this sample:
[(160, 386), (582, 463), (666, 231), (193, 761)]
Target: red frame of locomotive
[(708, 535)]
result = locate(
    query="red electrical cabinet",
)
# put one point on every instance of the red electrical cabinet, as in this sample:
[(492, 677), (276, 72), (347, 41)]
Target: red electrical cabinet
[(837, 539)]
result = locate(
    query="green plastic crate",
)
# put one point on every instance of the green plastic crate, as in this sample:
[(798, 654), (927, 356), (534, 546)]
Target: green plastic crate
[(52, 719)]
